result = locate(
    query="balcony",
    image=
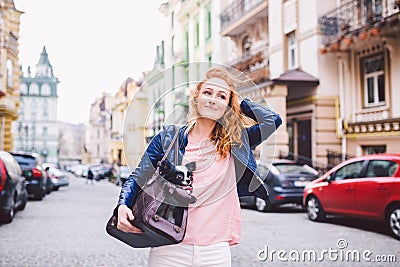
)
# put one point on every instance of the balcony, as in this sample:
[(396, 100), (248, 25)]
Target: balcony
[(368, 121), (255, 64), (234, 15), (355, 17), (373, 127)]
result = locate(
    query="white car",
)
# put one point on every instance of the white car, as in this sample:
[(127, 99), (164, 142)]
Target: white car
[(58, 177)]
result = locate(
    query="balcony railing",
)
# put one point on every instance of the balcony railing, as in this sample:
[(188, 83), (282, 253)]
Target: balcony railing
[(391, 124), (355, 15), (255, 63), (236, 10)]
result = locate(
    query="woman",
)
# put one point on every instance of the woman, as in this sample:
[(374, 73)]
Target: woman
[(219, 138)]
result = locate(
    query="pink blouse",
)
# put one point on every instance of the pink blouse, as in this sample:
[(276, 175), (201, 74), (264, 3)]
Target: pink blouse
[(216, 216)]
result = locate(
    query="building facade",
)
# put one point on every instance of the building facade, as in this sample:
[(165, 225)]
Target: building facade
[(362, 39), (9, 72), (127, 134), (191, 45), (37, 129), (97, 148), (328, 67), (71, 141), (246, 23), (310, 79)]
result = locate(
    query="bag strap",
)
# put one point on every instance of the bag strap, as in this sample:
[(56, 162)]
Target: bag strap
[(176, 146), (174, 141), (171, 145)]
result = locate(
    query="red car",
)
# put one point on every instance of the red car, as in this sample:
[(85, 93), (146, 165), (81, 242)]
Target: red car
[(366, 187)]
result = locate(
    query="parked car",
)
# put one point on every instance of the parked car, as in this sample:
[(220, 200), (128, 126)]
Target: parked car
[(285, 181), (366, 187), (122, 175), (103, 173), (77, 170), (37, 183), (57, 176), (13, 194)]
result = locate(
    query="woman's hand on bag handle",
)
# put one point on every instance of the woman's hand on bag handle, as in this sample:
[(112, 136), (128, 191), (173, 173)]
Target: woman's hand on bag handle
[(125, 215)]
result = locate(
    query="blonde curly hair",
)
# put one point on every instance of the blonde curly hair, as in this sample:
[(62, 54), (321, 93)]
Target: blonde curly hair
[(228, 129)]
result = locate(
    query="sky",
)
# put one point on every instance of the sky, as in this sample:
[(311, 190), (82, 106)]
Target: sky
[(93, 46)]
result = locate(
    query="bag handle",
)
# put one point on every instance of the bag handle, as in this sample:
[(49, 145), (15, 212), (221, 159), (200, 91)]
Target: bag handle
[(157, 171), (171, 145)]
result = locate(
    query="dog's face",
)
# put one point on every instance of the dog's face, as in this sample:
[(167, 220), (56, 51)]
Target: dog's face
[(180, 175)]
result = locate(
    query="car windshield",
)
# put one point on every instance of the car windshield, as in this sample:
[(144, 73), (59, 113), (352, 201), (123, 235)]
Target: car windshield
[(294, 169)]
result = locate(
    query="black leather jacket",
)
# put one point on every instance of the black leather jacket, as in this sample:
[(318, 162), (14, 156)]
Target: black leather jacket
[(248, 178)]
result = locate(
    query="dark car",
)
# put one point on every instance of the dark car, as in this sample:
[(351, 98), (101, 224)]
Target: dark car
[(285, 180), (37, 183), (13, 194), (366, 187), (104, 173)]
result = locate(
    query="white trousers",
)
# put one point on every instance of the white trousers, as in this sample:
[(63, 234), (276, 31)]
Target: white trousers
[(183, 255)]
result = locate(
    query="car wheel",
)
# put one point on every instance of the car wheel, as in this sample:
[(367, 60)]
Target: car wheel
[(8, 217), (314, 209), (394, 221), (262, 205)]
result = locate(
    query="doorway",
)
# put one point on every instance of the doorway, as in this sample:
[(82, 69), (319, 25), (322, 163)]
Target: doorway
[(304, 138)]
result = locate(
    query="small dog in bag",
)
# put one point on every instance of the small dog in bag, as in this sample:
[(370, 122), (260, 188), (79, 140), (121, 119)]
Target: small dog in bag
[(182, 176)]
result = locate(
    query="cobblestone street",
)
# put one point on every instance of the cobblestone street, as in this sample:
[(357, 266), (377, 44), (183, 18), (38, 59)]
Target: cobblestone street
[(67, 228)]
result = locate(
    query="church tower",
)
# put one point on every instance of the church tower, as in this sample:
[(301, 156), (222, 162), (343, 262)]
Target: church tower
[(37, 125)]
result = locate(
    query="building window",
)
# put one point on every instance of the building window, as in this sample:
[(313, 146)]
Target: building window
[(34, 89), (44, 130), (368, 150), (9, 73), (374, 80), (292, 51), (46, 89), (208, 17)]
